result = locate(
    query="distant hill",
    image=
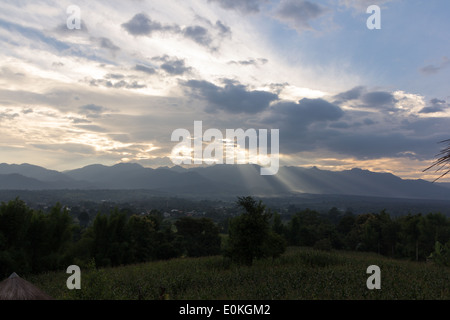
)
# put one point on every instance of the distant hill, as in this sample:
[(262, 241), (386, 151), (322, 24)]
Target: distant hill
[(221, 180), (32, 171), (16, 181)]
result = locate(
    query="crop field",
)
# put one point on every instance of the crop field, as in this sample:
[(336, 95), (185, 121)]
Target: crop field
[(299, 274)]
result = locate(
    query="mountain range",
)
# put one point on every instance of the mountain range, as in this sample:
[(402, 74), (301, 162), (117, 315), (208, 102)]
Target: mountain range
[(220, 180)]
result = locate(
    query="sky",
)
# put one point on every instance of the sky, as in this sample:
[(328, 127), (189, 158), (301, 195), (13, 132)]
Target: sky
[(342, 95)]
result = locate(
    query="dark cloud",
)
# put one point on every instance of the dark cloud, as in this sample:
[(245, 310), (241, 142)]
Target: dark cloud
[(8, 115), (317, 124), (224, 30), (368, 122), (298, 14), (351, 94), (435, 105), (145, 69), (173, 66), (233, 97), (108, 44), (198, 34), (378, 144), (378, 99), (129, 85), (142, 25), (114, 76), (250, 62), (118, 84), (243, 6), (27, 111), (433, 69), (340, 125), (299, 115), (92, 110), (303, 124)]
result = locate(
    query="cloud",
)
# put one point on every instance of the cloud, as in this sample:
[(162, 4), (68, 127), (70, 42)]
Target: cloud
[(242, 6), (313, 125), (68, 147), (435, 106), (362, 4), (379, 99), (349, 95), (107, 44), (172, 65), (91, 127), (92, 110), (27, 111), (232, 98), (116, 85), (198, 34), (298, 13), (296, 116), (142, 25), (303, 124), (250, 62), (145, 69), (114, 76), (433, 69), (34, 35), (224, 30), (365, 145), (8, 115)]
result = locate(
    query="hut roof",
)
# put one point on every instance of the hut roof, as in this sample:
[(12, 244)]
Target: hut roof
[(16, 288)]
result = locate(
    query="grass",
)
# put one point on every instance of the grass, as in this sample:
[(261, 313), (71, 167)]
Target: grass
[(300, 273)]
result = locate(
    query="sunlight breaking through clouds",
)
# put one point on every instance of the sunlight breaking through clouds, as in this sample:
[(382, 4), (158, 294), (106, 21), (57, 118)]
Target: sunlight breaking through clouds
[(341, 95)]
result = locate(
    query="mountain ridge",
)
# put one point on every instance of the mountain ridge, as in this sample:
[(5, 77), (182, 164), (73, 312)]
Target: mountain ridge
[(220, 180)]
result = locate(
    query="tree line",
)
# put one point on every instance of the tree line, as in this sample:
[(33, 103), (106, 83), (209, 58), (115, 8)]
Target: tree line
[(413, 236), (33, 241)]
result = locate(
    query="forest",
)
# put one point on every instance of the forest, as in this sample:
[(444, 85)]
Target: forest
[(35, 241)]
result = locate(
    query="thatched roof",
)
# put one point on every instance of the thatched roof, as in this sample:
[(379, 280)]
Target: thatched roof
[(16, 288)]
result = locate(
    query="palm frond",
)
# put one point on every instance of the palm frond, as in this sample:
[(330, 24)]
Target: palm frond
[(442, 162)]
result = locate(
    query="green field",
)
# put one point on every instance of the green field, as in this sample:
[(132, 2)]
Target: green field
[(300, 273)]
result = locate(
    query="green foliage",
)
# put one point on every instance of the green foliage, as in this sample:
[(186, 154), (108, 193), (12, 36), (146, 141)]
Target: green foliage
[(441, 254), (200, 237), (250, 235), (117, 239), (32, 241)]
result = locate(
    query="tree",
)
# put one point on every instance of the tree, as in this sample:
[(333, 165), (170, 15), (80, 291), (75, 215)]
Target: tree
[(15, 217), (277, 225), (142, 231), (200, 236), (250, 235), (410, 233), (307, 227)]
